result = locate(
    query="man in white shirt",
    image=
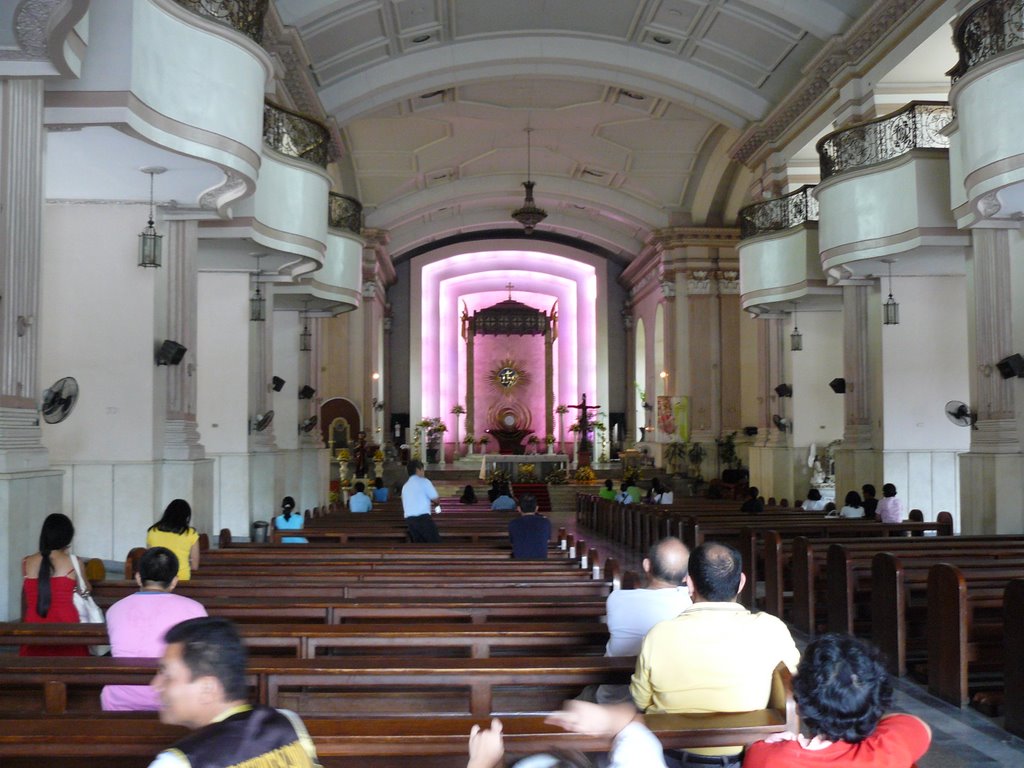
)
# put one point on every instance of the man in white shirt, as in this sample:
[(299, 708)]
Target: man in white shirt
[(632, 612), (418, 497)]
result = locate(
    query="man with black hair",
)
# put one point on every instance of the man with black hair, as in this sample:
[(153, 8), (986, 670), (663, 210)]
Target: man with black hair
[(716, 656), (359, 501), (201, 683), (136, 625), (842, 691), (529, 533), (418, 497)]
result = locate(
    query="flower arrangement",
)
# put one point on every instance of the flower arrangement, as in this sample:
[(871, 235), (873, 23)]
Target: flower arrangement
[(344, 455), (557, 477), (562, 409), (631, 475), (499, 476), (584, 475), (534, 440), (550, 439), (527, 473), (483, 440), (378, 455), (458, 410), (334, 497), (469, 440)]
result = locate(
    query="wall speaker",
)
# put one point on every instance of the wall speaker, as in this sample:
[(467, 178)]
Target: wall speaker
[(306, 392), (277, 383), (838, 385), (170, 353), (784, 390), (1011, 366)]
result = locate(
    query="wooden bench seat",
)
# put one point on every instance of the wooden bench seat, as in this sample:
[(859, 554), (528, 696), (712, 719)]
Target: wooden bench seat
[(339, 686), (307, 641)]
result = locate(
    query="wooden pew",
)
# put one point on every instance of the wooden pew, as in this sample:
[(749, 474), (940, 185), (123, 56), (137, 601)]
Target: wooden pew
[(307, 641)]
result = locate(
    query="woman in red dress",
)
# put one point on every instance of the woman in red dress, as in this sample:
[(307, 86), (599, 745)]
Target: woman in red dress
[(49, 585)]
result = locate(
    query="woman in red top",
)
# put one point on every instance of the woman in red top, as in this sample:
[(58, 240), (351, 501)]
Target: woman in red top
[(842, 690), (49, 585)]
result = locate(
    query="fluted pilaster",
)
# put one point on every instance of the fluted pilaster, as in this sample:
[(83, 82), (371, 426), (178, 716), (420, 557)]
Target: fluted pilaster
[(21, 200), (856, 369), (181, 436)]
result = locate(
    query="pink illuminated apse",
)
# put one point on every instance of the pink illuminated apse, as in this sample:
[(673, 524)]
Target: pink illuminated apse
[(456, 275)]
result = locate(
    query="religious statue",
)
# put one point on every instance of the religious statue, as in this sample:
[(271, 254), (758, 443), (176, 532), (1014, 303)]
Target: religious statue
[(584, 449), (359, 455)]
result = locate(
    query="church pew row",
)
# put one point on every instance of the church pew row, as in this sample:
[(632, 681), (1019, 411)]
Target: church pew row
[(790, 560), (1013, 655), (334, 610), (307, 641), (337, 686), (965, 631), (117, 740)]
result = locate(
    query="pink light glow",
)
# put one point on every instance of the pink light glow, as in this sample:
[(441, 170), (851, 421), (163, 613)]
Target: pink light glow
[(479, 279)]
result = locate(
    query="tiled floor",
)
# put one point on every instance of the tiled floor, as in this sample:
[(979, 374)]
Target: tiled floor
[(960, 738)]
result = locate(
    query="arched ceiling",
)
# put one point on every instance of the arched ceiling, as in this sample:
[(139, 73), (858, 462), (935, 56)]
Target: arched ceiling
[(629, 102)]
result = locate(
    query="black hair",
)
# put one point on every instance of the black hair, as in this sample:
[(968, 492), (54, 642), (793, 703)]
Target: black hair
[(212, 646), (56, 533), (753, 492), (176, 518), (888, 490), (841, 688), (378, 482), (287, 506), (869, 490), (624, 486), (468, 495), (853, 499), (413, 466), (528, 503), (814, 495), (659, 568), (158, 564), (608, 484), (715, 571), (360, 487)]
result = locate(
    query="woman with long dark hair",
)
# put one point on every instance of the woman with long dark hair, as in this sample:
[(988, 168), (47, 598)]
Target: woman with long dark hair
[(174, 532), (49, 585), (290, 520)]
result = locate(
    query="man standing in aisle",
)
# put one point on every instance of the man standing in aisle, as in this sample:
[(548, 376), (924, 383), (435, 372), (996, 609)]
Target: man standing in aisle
[(418, 497)]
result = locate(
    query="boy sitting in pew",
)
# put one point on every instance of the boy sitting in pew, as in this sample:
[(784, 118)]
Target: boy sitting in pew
[(136, 625)]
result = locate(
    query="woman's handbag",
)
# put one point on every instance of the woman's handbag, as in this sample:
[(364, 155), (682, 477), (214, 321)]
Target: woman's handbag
[(88, 611)]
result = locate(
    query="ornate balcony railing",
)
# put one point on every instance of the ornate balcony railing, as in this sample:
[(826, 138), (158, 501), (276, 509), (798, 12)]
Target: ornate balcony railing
[(779, 213), (246, 16), (917, 126), (294, 135), (344, 212), (990, 29)]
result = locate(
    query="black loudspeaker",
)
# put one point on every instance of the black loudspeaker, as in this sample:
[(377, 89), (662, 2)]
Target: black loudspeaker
[(838, 385), (277, 383), (306, 392), (750, 431), (170, 353), (784, 390), (1011, 366)]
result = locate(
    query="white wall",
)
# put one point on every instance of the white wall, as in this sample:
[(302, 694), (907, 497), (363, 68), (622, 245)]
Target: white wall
[(288, 364), (222, 361), (818, 411)]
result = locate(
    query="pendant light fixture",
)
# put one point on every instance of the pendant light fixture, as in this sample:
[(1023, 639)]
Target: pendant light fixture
[(149, 240), (529, 215), (258, 304), (305, 338), (796, 339), (890, 310)]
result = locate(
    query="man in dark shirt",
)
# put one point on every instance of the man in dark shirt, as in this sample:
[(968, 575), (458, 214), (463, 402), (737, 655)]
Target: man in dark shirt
[(530, 532), (870, 502), (753, 502)]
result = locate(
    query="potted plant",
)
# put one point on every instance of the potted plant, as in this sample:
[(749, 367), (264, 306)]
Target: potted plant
[(550, 440), (469, 441), (675, 456), (435, 429), (482, 442)]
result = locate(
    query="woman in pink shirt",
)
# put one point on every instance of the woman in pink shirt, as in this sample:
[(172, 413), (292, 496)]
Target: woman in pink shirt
[(890, 509)]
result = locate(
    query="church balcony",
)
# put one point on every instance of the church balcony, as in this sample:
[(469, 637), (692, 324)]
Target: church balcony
[(884, 195), (295, 135), (988, 185), (344, 212), (245, 16), (779, 263), (156, 73)]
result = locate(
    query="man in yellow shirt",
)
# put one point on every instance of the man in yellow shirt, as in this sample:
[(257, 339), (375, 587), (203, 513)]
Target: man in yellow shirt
[(716, 656)]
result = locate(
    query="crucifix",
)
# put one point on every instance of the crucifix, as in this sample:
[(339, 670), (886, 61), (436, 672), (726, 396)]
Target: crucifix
[(509, 287), (584, 421)]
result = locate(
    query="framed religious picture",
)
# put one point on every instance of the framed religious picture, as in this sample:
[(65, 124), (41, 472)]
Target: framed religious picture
[(673, 418)]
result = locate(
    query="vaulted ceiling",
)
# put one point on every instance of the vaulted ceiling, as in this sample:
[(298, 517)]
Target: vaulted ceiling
[(633, 106)]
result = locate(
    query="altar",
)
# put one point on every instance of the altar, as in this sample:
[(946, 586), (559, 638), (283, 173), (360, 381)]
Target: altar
[(543, 464)]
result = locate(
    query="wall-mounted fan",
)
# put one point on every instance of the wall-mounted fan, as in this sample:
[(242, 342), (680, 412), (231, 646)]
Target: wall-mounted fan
[(262, 421), (781, 423), (308, 424), (59, 400), (960, 414)]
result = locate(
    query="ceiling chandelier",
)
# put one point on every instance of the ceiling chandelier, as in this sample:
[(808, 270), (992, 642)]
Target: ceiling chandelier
[(529, 215)]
